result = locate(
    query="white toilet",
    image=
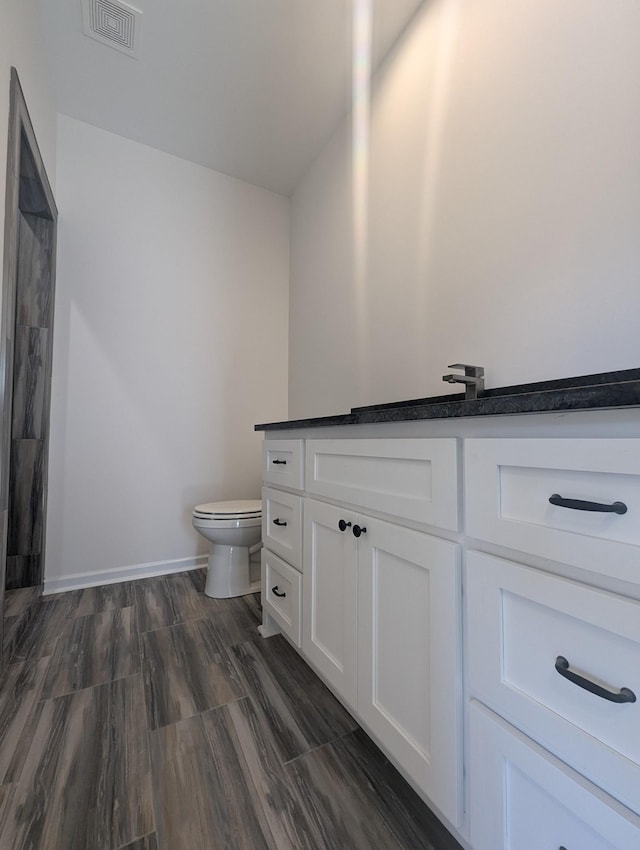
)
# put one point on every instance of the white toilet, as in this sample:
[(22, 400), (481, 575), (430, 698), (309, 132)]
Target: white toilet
[(234, 529)]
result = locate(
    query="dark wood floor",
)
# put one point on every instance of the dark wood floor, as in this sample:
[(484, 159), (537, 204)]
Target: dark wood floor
[(146, 716)]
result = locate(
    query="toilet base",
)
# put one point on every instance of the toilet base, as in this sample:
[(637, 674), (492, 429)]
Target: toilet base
[(228, 572)]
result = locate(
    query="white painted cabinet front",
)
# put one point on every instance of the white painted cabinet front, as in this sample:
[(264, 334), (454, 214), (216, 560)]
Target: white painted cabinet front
[(409, 636), (561, 660), (330, 588), (552, 761), (413, 480), (523, 798), (381, 623), (281, 557), (554, 752), (575, 502)]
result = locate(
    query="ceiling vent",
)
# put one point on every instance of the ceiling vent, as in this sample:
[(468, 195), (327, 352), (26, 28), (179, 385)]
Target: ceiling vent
[(113, 23)]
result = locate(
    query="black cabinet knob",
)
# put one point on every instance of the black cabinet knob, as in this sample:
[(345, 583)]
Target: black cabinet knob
[(343, 526), (358, 530)]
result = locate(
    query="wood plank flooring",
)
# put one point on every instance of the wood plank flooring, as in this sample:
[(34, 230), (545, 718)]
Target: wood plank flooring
[(145, 716)]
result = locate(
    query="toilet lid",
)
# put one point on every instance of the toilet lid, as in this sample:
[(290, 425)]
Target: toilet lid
[(239, 509)]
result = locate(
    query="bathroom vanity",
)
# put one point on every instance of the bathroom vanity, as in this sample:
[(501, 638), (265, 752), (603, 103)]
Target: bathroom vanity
[(468, 584)]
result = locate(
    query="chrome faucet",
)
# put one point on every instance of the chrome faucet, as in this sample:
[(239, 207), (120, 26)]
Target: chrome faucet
[(473, 379)]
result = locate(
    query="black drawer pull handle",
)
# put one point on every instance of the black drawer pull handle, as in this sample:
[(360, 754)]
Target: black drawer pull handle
[(275, 592), (283, 462), (279, 521), (623, 695), (343, 526), (358, 530), (580, 505)]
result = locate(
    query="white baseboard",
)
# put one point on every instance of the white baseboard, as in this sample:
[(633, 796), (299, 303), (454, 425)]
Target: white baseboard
[(118, 574)]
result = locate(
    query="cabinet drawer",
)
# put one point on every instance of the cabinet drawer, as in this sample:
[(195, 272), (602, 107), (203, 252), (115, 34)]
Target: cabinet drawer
[(412, 479), (520, 622), (281, 594), (509, 483), (282, 463), (522, 798), (282, 525)]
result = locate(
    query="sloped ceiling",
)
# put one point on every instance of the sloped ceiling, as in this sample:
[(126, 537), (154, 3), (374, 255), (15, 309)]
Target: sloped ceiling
[(252, 88)]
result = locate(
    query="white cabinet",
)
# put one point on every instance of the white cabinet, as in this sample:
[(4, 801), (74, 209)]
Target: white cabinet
[(539, 646), (572, 501), (282, 525), (330, 630), (409, 682), (281, 557), (522, 798), (414, 480), (283, 463), (382, 625), (558, 660), (281, 595), (550, 763), (380, 614)]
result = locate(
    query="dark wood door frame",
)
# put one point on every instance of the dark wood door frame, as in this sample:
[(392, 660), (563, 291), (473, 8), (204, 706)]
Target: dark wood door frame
[(20, 185)]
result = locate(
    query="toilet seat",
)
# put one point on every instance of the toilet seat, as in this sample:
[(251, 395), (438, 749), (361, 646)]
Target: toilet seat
[(244, 509)]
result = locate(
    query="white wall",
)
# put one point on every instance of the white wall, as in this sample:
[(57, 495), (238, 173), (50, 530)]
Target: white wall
[(170, 343), (21, 46), (503, 210)]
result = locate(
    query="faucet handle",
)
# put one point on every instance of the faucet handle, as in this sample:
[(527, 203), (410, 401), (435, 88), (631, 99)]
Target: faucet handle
[(470, 371)]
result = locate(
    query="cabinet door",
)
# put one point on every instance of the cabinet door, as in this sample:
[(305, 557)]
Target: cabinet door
[(330, 596), (409, 671)]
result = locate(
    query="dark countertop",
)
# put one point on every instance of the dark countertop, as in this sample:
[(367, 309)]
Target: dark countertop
[(586, 392)]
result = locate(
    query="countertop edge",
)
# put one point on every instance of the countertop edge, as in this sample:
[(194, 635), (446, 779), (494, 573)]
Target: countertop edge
[(620, 394)]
